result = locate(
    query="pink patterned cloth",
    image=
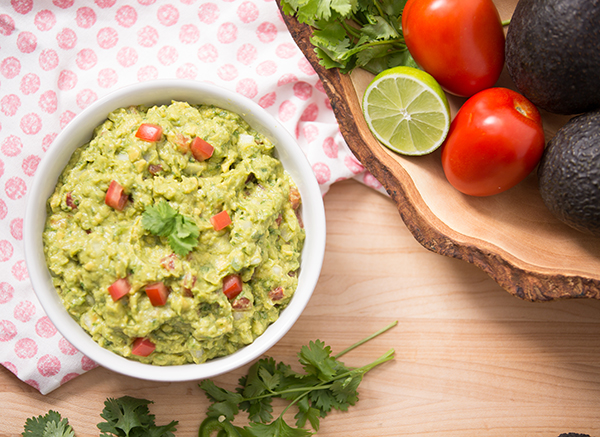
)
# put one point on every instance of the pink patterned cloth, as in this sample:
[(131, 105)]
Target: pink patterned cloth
[(59, 56)]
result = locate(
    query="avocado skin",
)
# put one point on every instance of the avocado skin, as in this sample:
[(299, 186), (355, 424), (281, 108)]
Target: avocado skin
[(569, 173), (553, 54)]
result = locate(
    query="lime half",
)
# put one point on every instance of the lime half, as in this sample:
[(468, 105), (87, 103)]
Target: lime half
[(407, 110)]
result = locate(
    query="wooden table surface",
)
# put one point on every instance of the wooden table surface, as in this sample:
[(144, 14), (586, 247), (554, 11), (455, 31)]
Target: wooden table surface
[(471, 360)]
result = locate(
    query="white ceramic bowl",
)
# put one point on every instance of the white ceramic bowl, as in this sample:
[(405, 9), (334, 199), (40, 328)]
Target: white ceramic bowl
[(79, 131)]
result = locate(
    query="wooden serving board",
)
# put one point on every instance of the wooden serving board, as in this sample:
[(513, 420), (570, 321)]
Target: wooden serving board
[(511, 236)]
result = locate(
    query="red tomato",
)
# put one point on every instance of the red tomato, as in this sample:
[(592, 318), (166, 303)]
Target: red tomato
[(115, 196), (149, 132), (142, 347), (220, 220), (459, 42), (201, 149), (158, 293), (119, 288), (494, 142), (232, 286)]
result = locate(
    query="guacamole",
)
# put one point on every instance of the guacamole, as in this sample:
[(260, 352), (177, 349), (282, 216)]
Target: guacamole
[(216, 275)]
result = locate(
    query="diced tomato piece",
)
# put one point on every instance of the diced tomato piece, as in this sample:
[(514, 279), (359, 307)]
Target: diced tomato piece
[(299, 217), (142, 347), (182, 142), (220, 220), (149, 132), (154, 168), (158, 293), (115, 196), (241, 304), (188, 282), (276, 294), (119, 288), (168, 262), (70, 202), (232, 286), (295, 197), (201, 149)]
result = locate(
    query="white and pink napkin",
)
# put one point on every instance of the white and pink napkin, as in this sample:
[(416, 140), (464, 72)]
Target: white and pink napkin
[(59, 56)]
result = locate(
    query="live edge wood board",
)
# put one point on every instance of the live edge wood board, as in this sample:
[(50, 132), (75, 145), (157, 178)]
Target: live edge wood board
[(511, 236)]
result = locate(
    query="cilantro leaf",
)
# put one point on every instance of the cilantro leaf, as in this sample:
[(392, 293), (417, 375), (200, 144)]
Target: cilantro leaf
[(49, 425), (159, 219), (130, 417), (163, 220), (393, 8), (316, 360), (380, 29), (323, 400), (346, 390), (270, 380), (253, 384), (60, 429), (306, 412), (122, 416), (184, 237), (259, 408), (328, 8), (333, 40), (225, 402)]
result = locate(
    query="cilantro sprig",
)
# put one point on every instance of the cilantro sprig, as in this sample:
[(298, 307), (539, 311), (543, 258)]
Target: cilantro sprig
[(124, 417), (354, 33), (49, 425), (163, 220), (325, 385), (130, 417)]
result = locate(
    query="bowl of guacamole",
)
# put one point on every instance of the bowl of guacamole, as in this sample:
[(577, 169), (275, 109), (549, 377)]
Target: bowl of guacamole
[(174, 231)]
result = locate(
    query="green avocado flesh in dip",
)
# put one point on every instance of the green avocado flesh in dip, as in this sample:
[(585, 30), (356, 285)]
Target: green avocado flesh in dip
[(89, 245)]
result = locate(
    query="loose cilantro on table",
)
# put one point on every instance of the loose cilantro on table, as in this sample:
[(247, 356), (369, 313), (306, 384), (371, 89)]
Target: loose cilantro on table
[(124, 417), (130, 417), (49, 425), (354, 33), (163, 220), (326, 384)]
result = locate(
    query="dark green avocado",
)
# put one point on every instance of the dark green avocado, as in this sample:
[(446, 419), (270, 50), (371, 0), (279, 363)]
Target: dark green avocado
[(569, 173), (553, 54)]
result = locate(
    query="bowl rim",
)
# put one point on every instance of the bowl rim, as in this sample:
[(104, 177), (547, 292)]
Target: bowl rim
[(158, 92)]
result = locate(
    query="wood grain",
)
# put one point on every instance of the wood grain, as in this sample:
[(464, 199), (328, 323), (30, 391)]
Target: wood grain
[(471, 359), (511, 236)]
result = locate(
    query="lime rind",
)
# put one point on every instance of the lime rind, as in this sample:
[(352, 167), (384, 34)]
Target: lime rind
[(407, 111)]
